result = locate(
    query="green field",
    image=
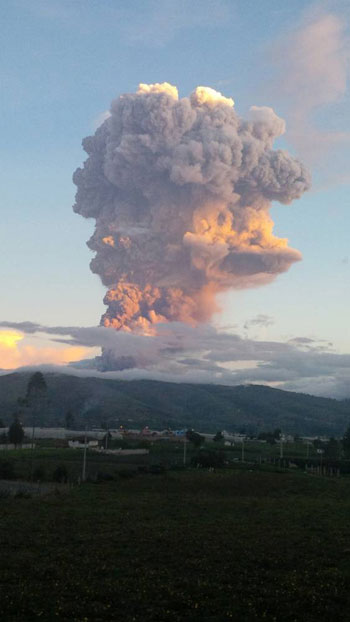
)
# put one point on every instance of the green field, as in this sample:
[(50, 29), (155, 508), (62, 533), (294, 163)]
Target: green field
[(168, 454), (183, 545)]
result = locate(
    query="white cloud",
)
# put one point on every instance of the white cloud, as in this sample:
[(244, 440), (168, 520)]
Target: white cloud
[(181, 353), (311, 81)]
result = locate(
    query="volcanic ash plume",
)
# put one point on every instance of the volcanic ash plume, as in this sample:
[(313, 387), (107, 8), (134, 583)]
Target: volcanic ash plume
[(181, 190)]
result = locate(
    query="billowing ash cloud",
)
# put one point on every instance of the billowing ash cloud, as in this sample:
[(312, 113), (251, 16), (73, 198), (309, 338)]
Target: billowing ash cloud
[(181, 190)]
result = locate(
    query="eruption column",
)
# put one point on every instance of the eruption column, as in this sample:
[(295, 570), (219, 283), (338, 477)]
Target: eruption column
[(180, 190)]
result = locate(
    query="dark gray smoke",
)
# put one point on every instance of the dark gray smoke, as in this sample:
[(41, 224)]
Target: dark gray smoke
[(180, 190)]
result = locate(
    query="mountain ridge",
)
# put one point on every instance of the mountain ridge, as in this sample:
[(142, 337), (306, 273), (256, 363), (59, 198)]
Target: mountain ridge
[(209, 407)]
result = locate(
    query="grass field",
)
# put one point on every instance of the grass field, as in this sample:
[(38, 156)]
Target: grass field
[(183, 545), (44, 460)]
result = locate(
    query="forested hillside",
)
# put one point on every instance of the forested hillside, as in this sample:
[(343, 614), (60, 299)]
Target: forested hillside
[(158, 404)]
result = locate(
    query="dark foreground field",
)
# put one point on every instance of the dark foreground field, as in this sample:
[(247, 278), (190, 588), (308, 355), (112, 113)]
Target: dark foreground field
[(193, 545)]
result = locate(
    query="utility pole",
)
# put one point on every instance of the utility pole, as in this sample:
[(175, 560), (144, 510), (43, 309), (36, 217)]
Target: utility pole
[(281, 446), (242, 449), (32, 448), (185, 450), (83, 475)]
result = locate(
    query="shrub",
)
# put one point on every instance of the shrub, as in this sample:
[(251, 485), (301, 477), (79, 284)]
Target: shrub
[(5, 493), (23, 494), (157, 469), (102, 476), (6, 470), (60, 474), (208, 459), (194, 438), (39, 473), (127, 473)]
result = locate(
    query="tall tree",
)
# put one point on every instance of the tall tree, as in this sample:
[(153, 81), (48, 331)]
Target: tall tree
[(36, 395), (332, 449), (36, 399), (346, 442), (36, 389), (16, 432), (194, 438), (69, 420), (218, 437)]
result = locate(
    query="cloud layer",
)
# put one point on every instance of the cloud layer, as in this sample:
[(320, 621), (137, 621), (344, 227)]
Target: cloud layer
[(182, 353), (16, 351)]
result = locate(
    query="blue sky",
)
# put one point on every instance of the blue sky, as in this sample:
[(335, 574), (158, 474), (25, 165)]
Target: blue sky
[(62, 63)]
